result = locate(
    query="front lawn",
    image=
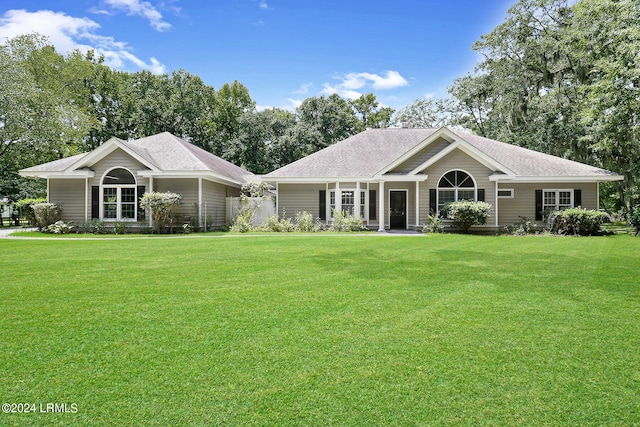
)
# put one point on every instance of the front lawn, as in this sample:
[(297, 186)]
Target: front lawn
[(322, 330)]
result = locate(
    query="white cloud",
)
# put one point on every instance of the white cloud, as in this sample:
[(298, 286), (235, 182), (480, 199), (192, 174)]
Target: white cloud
[(295, 103), (67, 33), (303, 89), (351, 83), (263, 5), (144, 9)]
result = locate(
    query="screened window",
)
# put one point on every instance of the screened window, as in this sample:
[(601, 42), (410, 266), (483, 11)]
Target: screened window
[(119, 195), (455, 186)]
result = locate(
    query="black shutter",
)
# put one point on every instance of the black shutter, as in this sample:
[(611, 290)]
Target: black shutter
[(373, 203), (322, 204), (538, 205), (481, 194), (138, 208), (95, 202), (577, 198), (432, 200)]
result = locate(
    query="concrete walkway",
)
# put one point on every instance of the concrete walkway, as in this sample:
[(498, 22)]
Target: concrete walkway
[(4, 232)]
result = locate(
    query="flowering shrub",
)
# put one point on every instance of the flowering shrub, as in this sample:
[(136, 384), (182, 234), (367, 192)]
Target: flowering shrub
[(304, 222), (346, 222), (522, 228), (434, 224), (466, 214), (59, 227), (25, 206), (578, 221), (162, 207)]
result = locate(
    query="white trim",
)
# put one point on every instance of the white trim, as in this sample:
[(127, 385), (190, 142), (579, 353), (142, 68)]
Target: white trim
[(208, 175), (510, 190), (554, 179), (496, 197), (118, 196), (417, 222), (381, 206), (200, 202), (104, 150), (277, 201), (84, 173), (571, 191), (455, 189), (406, 206), (403, 178), (86, 200)]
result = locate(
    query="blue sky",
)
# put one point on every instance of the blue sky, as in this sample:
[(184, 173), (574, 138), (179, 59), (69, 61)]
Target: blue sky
[(284, 51)]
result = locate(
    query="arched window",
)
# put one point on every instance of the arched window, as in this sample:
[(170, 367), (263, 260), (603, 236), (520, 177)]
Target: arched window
[(119, 195), (455, 185)]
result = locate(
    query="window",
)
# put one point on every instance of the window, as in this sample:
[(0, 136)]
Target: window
[(119, 195), (348, 202), (505, 193), (556, 200), (455, 186)]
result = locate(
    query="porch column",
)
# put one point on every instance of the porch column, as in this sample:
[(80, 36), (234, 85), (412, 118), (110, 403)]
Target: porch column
[(496, 210), (338, 198), (381, 204), (417, 203), (356, 201), (199, 202), (150, 191), (86, 199)]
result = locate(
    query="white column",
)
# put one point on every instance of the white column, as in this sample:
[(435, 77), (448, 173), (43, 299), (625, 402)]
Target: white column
[(150, 191), (277, 201), (338, 198), (381, 206), (496, 210), (199, 202), (86, 199), (417, 203), (356, 201)]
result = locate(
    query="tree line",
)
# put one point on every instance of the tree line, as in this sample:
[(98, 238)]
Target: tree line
[(557, 76)]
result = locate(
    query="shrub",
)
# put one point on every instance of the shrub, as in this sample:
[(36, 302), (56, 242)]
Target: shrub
[(346, 222), (522, 228), (304, 222), (25, 206), (578, 221), (120, 227), (59, 227), (275, 224), (45, 214), (95, 226), (634, 219), (434, 224), (466, 214), (162, 207), (253, 189), (243, 222)]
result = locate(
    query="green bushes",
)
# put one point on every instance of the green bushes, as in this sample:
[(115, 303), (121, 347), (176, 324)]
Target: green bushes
[(434, 224), (45, 214), (25, 207), (634, 219), (59, 227), (346, 222), (578, 221), (466, 213)]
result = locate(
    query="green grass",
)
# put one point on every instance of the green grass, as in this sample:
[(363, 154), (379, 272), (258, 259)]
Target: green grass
[(323, 330)]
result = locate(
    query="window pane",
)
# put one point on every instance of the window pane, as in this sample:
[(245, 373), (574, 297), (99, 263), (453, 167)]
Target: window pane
[(110, 195), (128, 195), (564, 198), (347, 198), (110, 210), (128, 210), (550, 198), (445, 196), (465, 195), (119, 177)]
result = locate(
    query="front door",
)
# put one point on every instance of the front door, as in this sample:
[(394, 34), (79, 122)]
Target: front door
[(398, 209)]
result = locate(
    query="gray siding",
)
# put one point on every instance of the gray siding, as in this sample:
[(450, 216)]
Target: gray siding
[(215, 194), (457, 159), (294, 198), (117, 159), (186, 187), (523, 203), (422, 156), (69, 194)]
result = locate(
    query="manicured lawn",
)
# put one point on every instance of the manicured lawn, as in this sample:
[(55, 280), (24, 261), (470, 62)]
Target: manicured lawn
[(322, 330)]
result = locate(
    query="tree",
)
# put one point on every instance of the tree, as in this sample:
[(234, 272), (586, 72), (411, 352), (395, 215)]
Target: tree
[(425, 113), (332, 117), (370, 113)]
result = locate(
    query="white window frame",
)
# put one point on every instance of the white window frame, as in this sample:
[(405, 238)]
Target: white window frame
[(364, 213), (509, 196), (557, 206), (119, 202), (455, 189)]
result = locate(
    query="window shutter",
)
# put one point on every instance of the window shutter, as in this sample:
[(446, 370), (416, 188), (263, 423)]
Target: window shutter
[(577, 198), (538, 205), (481, 194), (138, 208), (432, 200), (322, 204), (95, 202), (372, 204)]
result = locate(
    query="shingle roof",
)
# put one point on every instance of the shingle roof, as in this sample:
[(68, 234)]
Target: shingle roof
[(367, 153), (167, 153)]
